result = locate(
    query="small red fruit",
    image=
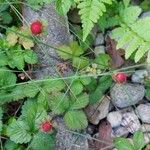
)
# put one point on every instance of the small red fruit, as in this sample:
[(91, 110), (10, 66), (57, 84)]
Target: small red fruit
[(46, 126), (120, 77), (36, 27)]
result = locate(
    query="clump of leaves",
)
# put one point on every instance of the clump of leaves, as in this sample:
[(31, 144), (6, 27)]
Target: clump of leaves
[(133, 33), (138, 142), (73, 52)]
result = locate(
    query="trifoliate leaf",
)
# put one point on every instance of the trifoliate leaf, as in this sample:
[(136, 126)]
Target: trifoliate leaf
[(59, 103), (18, 131), (80, 102), (76, 120), (43, 141)]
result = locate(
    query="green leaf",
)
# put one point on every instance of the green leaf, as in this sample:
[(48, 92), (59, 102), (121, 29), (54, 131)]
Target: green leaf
[(85, 80), (90, 11), (52, 84), (138, 140), (80, 62), (65, 52), (80, 102), (5, 18), (76, 87), (43, 141), (123, 144), (59, 103), (76, 120), (62, 6), (104, 83), (30, 57), (10, 145), (18, 131), (126, 2), (103, 61), (7, 77), (33, 114)]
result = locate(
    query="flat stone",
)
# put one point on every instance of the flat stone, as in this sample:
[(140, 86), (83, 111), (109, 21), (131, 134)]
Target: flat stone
[(124, 95), (98, 111), (143, 112)]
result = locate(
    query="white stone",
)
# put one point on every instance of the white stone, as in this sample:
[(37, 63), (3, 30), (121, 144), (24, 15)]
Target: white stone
[(139, 75), (131, 122), (114, 118), (143, 112)]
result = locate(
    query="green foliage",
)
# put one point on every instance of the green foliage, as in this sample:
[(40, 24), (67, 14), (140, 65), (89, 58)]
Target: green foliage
[(103, 61), (10, 145), (145, 5), (5, 15), (21, 130), (43, 141), (133, 33), (90, 11), (74, 52), (125, 144), (103, 85)]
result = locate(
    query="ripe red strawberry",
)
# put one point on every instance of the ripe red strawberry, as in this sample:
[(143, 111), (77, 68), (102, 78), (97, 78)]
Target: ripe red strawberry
[(46, 126), (36, 27), (120, 77)]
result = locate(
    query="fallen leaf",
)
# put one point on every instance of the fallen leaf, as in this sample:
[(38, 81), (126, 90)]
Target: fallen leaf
[(117, 60)]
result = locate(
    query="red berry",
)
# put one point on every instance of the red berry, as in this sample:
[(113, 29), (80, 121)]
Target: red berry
[(36, 27), (120, 77), (46, 126)]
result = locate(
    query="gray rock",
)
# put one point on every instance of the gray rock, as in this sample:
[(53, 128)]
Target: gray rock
[(143, 112), (99, 39), (99, 50), (145, 14), (124, 95), (139, 75), (114, 118), (131, 122), (98, 111), (119, 132), (67, 140), (145, 128)]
